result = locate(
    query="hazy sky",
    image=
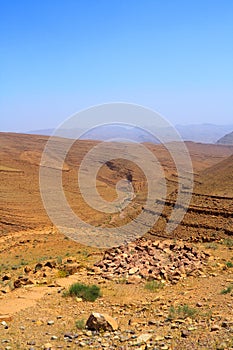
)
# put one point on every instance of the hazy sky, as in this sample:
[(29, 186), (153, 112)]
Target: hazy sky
[(58, 56)]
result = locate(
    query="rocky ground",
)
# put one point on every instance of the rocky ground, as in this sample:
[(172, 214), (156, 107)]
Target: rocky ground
[(158, 293), (165, 261), (151, 311)]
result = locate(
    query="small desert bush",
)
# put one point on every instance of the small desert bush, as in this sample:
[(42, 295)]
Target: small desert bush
[(122, 280), (84, 253), (62, 273), (80, 324), (59, 260), (211, 245), (23, 262), (43, 258), (228, 242), (207, 313), (227, 290), (153, 286), (182, 311), (4, 267), (88, 293), (229, 264)]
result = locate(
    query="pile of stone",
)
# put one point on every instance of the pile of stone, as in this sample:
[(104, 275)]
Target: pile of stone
[(146, 259), (42, 273)]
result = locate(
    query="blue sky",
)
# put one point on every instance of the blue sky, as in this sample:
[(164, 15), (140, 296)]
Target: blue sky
[(57, 57)]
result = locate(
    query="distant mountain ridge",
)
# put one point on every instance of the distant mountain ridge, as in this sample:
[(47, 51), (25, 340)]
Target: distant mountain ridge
[(103, 133), (204, 133), (226, 139)]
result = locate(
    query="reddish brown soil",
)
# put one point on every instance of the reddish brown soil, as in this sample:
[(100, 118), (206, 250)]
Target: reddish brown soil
[(27, 236), (218, 179), (22, 208)]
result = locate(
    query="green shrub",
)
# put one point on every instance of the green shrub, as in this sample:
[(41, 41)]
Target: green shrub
[(227, 290), (80, 324), (62, 274), (208, 313), (23, 262), (122, 280), (229, 264), (88, 293), (228, 242), (182, 311), (211, 245), (59, 260), (153, 286)]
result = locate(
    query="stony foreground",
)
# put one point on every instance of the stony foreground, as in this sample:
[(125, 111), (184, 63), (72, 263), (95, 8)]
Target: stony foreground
[(161, 295)]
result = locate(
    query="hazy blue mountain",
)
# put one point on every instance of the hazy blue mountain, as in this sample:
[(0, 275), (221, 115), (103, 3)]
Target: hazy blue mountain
[(46, 132), (204, 133), (104, 132)]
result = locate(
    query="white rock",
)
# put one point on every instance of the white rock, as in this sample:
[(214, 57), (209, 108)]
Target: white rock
[(143, 338), (97, 321), (133, 270)]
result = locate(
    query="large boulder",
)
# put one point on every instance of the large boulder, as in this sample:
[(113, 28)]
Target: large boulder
[(104, 322)]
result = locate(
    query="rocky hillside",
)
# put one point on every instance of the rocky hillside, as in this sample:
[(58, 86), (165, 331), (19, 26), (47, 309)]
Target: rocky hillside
[(226, 140), (22, 208), (217, 180)]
